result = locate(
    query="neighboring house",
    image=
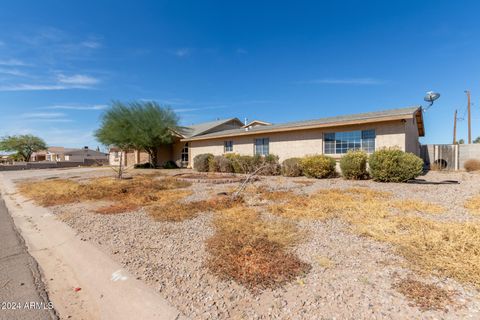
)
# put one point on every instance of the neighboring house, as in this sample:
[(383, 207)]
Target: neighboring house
[(39, 156), (333, 136), (70, 154), (85, 154), (55, 154)]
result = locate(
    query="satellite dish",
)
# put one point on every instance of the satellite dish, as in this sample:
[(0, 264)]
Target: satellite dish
[(431, 96)]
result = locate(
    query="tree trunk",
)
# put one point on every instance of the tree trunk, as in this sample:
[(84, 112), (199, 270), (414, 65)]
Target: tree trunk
[(153, 157)]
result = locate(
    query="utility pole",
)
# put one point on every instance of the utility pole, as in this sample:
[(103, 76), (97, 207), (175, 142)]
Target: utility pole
[(469, 118), (455, 128)]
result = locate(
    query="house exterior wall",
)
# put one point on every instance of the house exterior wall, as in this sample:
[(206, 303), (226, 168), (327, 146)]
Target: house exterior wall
[(177, 152), (164, 154), (304, 142), (412, 143), (114, 158)]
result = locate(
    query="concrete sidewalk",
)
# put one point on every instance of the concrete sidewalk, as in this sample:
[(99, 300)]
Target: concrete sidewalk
[(22, 292)]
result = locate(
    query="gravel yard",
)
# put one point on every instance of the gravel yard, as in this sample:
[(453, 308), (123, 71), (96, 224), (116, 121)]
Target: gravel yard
[(351, 276)]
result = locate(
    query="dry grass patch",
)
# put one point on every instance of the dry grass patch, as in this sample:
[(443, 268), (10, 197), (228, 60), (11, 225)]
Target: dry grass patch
[(179, 211), (351, 204), (128, 194), (473, 205), (252, 251), (449, 249), (425, 296), (441, 248), (412, 205)]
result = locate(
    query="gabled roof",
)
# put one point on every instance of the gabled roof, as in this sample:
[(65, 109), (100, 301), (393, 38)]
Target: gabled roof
[(377, 116), (257, 122), (200, 128)]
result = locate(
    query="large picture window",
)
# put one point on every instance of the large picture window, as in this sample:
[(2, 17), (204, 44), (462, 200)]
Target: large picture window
[(262, 146), (341, 142)]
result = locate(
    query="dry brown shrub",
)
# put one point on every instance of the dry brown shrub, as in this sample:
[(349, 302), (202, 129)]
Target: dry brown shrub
[(253, 252), (424, 295), (472, 165), (415, 205), (179, 211), (473, 205)]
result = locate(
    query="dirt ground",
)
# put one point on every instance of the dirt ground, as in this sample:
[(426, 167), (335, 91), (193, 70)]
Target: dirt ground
[(351, 277)]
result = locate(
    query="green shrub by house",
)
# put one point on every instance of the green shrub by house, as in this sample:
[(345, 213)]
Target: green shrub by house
[(220, 164), (354, 165), (394, 165), (201, 162), (241, 164), (291, 167), (318, 166)]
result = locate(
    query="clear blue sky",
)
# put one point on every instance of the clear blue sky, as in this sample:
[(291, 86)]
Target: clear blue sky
[(63, 62)]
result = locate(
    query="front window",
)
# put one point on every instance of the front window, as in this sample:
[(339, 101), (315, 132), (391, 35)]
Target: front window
[(228, 146), (262, 146), (341, 142), (185, 155)]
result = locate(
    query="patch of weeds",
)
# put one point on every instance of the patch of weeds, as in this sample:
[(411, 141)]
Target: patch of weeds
[(253, 252), (180, 211), (473, 205), (324, 262), (424, 295), (450, 249), (414, 205), (141, 190)]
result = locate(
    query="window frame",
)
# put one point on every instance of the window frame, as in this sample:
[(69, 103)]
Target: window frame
[(227, 146), (184, 153), (339, 143), (263, 146)]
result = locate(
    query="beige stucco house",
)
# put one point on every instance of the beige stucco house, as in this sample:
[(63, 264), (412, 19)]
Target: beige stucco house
[(331, 136)]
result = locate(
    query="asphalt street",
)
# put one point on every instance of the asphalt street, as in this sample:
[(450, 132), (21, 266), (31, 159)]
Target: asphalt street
[(22, 292)]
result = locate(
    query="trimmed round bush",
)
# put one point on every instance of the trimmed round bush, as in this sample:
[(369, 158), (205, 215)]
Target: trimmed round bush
[(394, 165), (472, 165), (201, 162), (354, 165), (220, 164), (291, 167), (318, 166)]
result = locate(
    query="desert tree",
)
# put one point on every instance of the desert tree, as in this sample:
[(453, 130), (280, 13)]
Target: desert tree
[(23, 145), (138, 125), (477, 140)]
